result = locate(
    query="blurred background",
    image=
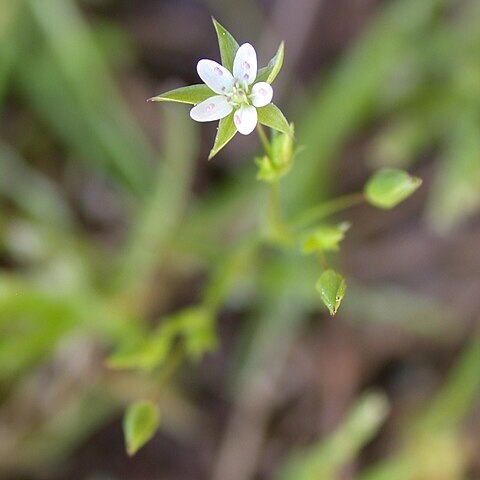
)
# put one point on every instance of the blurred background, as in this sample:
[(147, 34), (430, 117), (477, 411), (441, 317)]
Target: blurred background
[(113, 223)]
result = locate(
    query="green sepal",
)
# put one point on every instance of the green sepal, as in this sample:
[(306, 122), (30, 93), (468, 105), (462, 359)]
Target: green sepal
[(271, 116), (331, 286), (140, 423), (270, 72), (227, 44), (192, 95), (225, 132), (389, 187)]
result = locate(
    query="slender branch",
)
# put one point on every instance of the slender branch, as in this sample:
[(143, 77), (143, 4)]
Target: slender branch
[(264, 139), (323, 260), (278, 229), (170, 368), (274, 210), (327, 208)]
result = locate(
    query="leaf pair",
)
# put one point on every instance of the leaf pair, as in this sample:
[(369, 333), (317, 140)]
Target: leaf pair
[(190, 328)]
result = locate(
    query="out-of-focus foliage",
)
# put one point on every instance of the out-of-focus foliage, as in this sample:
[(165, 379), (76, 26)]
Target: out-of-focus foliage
[(323, 461), (434, 103), (71, 305)]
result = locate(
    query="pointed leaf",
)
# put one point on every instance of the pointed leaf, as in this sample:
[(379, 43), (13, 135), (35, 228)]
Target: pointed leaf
[(325, 458), (140, 422), (227, 44), (192, 94), (388, 187), (331, 287), (226, 131), (270, 72), (271, 116)]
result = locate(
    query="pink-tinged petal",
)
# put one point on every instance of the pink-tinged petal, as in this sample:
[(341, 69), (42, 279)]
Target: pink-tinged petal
[(262, 94), (216, 76), (245, 119), (245, 64), (213, 108)]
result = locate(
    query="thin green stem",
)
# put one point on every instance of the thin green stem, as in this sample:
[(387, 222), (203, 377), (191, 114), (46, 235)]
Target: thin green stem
[(327, 208), (173, 364), (323, 260), (276, 225), (274, 215), (264, 139), (278, 230)]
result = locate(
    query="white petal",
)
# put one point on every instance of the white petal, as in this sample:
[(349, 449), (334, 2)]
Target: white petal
[(245, 64), (262, 94), (217, 77), (245, 119), (213, 108)]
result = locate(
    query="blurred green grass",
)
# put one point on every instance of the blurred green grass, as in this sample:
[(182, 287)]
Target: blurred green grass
[(58, 284)]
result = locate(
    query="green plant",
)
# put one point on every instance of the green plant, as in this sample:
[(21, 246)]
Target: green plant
[(242, 102), (67, 294)]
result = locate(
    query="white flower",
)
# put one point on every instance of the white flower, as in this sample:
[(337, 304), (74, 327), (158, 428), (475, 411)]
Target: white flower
[(234, 92)]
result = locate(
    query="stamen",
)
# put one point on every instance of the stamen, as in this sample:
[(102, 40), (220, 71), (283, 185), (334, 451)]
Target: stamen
[(218, 71), (237, 119), (262, 91), (210, 107)]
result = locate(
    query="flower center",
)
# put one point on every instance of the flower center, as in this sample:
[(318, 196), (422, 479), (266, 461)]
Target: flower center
[(238, 95)]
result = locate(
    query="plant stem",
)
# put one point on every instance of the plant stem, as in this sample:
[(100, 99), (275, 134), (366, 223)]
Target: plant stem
[(274, 215), (264, 139), (327, 208), (170, 368), (276, 226), (323, 260)]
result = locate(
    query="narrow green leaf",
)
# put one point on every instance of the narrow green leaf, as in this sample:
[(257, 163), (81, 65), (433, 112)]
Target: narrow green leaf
[(226, 131), (455, 195), (140, 422), (87, 112), (271, 116), (389, 187), (227, 44), (192, 94), (326, 457), (150, 233), (325, 238), (331, 287), (270, 72)]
